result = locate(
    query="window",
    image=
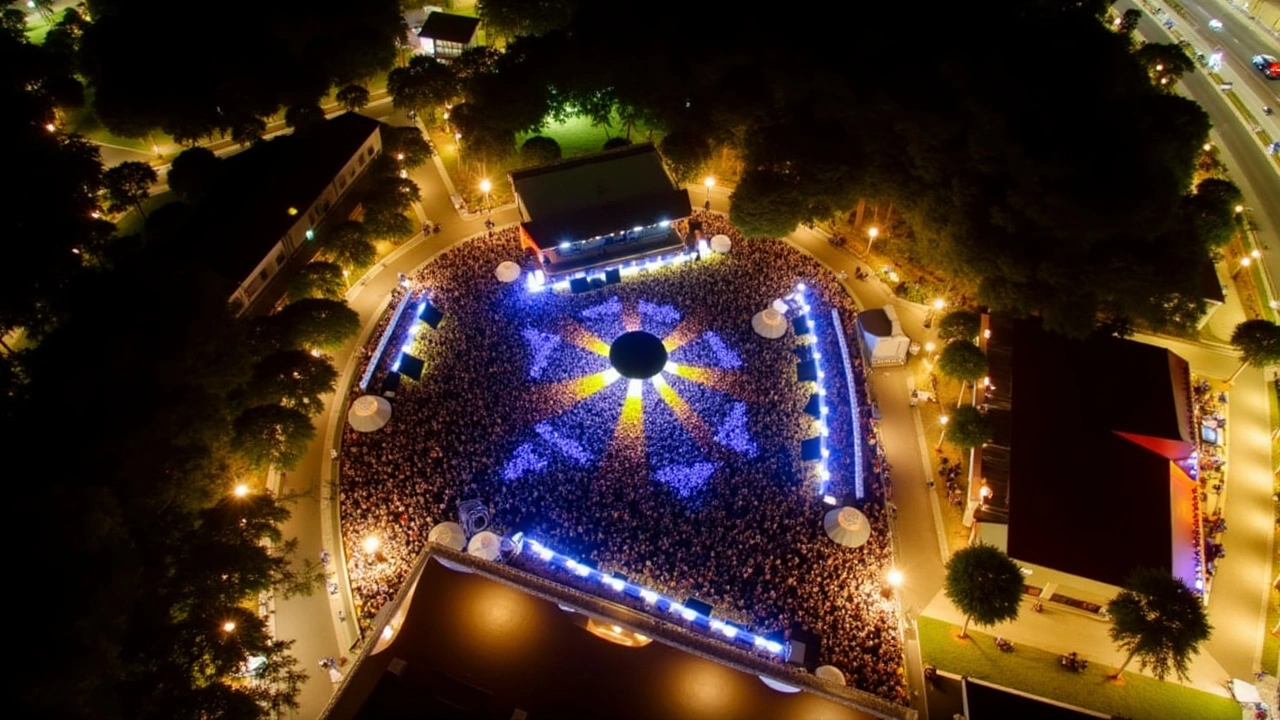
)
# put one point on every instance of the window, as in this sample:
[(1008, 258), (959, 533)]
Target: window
[(279, 260), (352, 174), (342, 182), (361, 161), (264, 275), (370, 153)]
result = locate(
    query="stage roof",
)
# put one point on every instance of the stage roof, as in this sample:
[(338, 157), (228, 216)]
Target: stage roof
[(1094, 424), (597, 194), (476, 648)]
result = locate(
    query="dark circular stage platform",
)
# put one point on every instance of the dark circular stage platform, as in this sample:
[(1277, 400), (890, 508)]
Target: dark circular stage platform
[(637, 355)]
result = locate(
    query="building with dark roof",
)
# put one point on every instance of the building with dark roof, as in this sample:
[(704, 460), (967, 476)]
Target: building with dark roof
[(470, 638), (1088, 475), (268, 199), (599, 209), (445, 36)]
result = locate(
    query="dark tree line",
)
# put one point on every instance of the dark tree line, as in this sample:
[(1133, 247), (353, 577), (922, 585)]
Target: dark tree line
[(1035, 151), (135, 403), (179, 68)]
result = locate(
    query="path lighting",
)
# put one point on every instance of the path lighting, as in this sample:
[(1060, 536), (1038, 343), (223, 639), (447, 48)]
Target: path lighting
[(1239, 208), (894, 577), (229, 626), (942, 421), (1255, 253), (50, 127), (929, 347), (709, 182), (872, 233), (1208, 147), (485, 187), (939, 303), (1246, 261), (371, 544), (400, 157), (241, 490)]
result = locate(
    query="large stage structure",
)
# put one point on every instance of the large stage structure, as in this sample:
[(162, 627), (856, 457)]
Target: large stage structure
[(598, 211)]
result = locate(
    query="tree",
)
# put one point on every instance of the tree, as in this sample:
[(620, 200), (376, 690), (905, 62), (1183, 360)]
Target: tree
[(968, 428), (407, 145), (1128, 22), (767, 204), (193, 173), (513, 18), (248, 130), (127, 185), (346, 244), (394, 227), (424, 84), (302, 116), (984, 584), (486, 137), (314, 323), (293, 378), (539, 150), (1164, 63), (353, 97), (686, 153), (962, 360), (1211, 210), (390, 193), (13, 22), (1159, 620), (268, 435), (1258, 342), (318, 279), (959, 325)]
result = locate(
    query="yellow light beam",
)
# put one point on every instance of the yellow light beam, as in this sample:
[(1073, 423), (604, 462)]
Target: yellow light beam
[(704, 376), (626, 449), (575, 333), (685, 414), (554, 399), (683, 332)]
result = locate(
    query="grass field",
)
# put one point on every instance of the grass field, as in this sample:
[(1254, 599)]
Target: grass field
[(131, 222), (1037, 672)]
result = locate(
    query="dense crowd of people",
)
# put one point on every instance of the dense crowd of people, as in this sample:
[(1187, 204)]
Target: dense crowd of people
[(703, 497)]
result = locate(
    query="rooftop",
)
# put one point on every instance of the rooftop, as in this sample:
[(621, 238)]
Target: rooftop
[(1094, 429), (597, 194), (449, 27), (247, 212)]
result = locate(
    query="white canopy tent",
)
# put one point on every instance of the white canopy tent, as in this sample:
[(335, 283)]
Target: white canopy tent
[(485, 545), (883, 340), (449, 534), (369, 413), (721, 244), (847, 526), (830, 673), (507, 272), (769, 323)]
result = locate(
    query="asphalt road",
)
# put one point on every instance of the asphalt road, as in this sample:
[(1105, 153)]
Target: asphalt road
[(1238, 39), (1251, 169)]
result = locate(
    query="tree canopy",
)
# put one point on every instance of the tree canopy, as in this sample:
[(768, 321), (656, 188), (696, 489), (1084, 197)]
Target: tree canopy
[(193, 173), (291, 53), (1258, 342), (1160, 621), (313, 323), (318, 279), (968, 428), (127, 185), (959, 325), (272, 435), (962, 360), (984, 584), (512, 18), (539, 150)]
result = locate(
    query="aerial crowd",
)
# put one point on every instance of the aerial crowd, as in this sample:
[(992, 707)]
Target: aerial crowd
[(695, 489)]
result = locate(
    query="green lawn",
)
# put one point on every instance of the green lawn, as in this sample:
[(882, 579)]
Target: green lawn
[(37, 28), (578, 136), (1037, 672), (131, 222)]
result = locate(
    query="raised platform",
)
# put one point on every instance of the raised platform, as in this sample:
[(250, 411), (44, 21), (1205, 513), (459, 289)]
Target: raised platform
[(614, 253)]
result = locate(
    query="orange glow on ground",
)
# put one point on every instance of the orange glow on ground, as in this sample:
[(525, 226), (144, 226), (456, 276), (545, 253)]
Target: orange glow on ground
[(584, 338), (685, 331), (704, 376)]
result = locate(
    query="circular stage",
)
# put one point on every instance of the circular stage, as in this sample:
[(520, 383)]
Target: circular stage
[(637, 355)]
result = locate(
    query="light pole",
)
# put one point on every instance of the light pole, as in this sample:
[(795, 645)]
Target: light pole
[(871, 237), (709, 182), (941, 436), (485, 187), (241, 490), (346, 278)]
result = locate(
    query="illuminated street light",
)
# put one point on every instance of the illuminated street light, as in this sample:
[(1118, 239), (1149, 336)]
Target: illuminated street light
[(50, 127), (241, 490), (1246, 261), (229, 626), (1255, 253), (485, 187), (943, 421), (871, 237), (710, 182), (985, 492), (1239, 208), (939, 304), (929, 347)]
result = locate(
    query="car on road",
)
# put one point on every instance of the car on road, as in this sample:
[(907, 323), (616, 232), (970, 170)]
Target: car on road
[(1267, 65), (1215, 25)]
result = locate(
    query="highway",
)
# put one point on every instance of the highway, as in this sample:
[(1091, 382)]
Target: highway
[(1250, 168)]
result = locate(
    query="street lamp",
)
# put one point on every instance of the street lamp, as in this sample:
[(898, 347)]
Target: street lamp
[(710, 182), (229, 626), (943, 421), (929, 347), (1208, 147), (871, 237), (485, 187), (241, 490), (985, 492), (894, 578), (346, 278), (1239, 209)]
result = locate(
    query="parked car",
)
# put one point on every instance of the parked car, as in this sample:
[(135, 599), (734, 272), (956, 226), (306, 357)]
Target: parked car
[(1267, 65)]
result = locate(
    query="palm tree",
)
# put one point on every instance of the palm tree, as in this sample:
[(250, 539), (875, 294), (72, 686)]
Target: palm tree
[(1158, 620), (962, 360), (984, 584), (1258, 342)]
